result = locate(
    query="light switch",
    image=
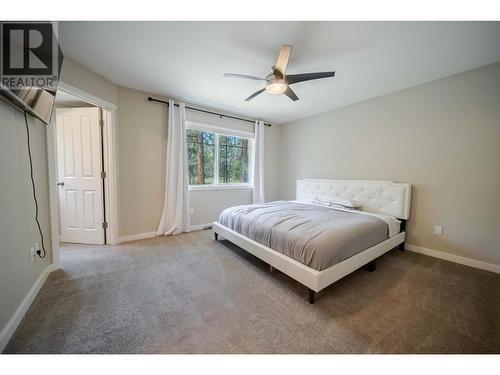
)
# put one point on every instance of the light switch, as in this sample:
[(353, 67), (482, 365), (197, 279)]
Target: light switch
[(438, 230)]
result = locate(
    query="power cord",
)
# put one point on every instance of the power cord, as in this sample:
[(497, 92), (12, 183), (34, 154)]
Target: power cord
[(41, 253)]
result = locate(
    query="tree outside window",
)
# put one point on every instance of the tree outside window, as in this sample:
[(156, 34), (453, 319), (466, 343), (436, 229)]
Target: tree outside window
[(215, 159)]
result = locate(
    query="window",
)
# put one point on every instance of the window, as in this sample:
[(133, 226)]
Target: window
[(201, 157), (217, 159), (233, 160)]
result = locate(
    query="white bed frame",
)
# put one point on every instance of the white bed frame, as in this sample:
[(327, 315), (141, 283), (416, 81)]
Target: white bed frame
[(373, 196)]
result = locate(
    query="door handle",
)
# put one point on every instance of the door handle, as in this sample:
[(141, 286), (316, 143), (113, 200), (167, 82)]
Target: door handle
[(61, 183)]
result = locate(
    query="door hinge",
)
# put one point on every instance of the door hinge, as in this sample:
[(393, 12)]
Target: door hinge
[(103, 174), (101, 123), (105, 225)]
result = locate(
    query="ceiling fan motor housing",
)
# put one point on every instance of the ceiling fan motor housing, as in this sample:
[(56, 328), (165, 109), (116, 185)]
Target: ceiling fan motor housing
[(278, 82), (276, 86)]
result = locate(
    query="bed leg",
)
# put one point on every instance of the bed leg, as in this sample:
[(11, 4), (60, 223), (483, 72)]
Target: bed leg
[(216, 236), (271, 268), (372, 266), (312, 296), (402, 228)]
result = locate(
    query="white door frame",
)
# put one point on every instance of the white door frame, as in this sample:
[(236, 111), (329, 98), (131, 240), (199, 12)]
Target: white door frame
[(109, 142)]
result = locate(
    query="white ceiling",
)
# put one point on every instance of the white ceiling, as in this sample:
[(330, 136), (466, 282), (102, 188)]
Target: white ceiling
[(186, 60)]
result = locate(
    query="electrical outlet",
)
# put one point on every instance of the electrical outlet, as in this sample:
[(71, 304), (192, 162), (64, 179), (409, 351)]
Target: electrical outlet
[(32, 254), (438, 230), (191, 210)]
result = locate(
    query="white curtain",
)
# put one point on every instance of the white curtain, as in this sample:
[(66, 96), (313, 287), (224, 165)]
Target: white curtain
[(258, 163), (175, 217)]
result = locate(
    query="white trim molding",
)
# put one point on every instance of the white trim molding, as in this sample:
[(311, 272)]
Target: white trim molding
[(18, 315), (220, 130), (85, 96), (138, 236), (193, 228), (144, 236), (455, 258), (53, 193), (111, 169), (220, 187), (110, 143)]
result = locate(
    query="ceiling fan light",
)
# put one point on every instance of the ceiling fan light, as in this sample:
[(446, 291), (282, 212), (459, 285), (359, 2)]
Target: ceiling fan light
[(276, 86)]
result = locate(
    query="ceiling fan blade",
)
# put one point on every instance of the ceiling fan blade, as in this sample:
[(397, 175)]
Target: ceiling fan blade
[(255, 94), (289, 92), (283, 58), (296, 78), (244, 76)]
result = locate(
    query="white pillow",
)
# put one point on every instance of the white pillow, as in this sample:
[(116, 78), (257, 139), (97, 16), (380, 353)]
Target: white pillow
[(334, 205), (337, 201), (320, 203)]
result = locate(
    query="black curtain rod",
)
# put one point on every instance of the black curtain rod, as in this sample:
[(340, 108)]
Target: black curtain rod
[(150, 99)]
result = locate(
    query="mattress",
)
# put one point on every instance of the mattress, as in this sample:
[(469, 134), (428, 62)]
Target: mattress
[(317, 236)]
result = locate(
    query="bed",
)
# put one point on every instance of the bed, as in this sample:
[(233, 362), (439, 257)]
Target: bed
[(316, 242)]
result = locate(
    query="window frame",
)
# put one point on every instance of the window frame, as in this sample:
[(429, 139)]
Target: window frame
[(218, 131)]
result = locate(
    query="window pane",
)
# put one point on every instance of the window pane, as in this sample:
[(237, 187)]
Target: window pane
[(233, 160), (201, 155)]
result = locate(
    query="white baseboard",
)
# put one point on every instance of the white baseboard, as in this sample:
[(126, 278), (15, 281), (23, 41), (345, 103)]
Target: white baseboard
[(199, 227), (135, 237), (143, 236), (455, 258), (16, 318)]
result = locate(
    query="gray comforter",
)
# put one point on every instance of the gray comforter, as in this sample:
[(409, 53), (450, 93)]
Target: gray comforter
[(316, 236)]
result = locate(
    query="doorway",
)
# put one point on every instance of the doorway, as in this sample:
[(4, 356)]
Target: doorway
[(80, 140), (80, 172)]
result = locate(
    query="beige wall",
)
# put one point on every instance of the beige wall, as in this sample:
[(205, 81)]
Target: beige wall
[(272, 163), (141, 139), (443, 137), (208, 204), (141, 147), (84, 79), (141, 162), (18, 231)]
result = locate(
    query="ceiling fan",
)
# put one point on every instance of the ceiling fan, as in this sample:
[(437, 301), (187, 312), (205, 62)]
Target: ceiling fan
[(278, 82)]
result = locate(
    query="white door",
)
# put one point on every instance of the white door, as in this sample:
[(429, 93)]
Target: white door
[(79, 164)]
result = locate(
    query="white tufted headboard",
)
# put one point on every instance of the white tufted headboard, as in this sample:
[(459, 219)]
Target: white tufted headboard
[(383, 197)]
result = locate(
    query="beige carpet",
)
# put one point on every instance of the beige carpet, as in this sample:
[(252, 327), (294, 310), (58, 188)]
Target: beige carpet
[(190, 294)]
